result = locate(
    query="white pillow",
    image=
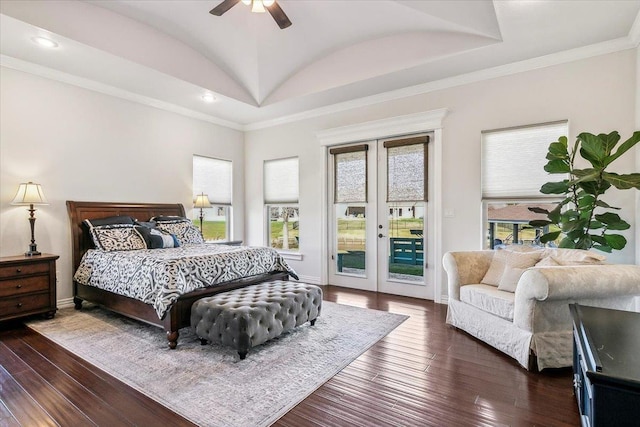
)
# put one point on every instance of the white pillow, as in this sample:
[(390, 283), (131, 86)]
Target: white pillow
[(574, 256), (494, 273), (547, 262), (516, 264)]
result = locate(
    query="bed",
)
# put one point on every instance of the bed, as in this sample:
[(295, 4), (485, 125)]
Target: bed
[(172, 317)]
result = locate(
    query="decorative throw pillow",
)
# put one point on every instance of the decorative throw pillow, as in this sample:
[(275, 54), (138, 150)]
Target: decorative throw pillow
[(547, 262), (494, 273), (515, 265), (117, 237), (574, 256), (183, 229), (157, 239), (110, 220)]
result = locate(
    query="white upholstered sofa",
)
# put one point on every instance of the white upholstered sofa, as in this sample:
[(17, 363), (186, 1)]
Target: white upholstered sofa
[(522, 308)]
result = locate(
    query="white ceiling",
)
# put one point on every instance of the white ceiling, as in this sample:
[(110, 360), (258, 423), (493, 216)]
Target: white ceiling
[(169, 52)]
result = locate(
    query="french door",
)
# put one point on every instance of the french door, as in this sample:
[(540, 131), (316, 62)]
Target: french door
[(379, 228)]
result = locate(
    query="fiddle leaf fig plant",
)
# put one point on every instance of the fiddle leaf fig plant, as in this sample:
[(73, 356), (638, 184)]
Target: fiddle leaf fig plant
[(582, 219)]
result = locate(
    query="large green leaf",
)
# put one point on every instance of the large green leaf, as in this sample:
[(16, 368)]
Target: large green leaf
[(554, 214), (624, 147), (599, 239), (555, 187), (609, 141), (595, 187), (549, 237), (557, 166), (592, 148), (557, 150), (539, 223), (603, 248), (538, 210), (622, 182), (616, 241), (586, 201), (605, 205), (613, 221), (584, 242), (567, 243)]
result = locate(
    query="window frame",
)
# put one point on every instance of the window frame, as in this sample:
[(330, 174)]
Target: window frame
[(215, 205), (517, 200), (289, 253)]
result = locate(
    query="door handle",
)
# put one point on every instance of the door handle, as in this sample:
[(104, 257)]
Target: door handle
[(381, 235)]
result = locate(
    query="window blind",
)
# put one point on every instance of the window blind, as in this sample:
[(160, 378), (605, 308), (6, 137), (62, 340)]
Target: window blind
[(281, 181), (213, 177), (406, 169), (513, 160), (350, 174)]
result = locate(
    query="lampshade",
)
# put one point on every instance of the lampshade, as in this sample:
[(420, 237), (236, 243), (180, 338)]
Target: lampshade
[(202, 201), (29, 194)]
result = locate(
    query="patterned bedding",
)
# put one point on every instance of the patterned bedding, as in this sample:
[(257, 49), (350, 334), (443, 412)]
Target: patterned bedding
[(159, 276)]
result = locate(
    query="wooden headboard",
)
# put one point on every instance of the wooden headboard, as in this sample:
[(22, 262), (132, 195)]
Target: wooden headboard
[(79, 211)]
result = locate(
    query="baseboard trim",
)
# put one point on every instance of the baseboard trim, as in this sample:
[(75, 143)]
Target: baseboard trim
[(65, 303), (310, 279)]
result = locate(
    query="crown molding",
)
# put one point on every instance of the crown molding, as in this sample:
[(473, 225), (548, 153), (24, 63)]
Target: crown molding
[(558, 58), (376, 129), (50, 73)]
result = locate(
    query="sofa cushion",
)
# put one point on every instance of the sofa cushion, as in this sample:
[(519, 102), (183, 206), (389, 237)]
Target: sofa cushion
[(489, 299), (507, 266), (516, 264), (496, 268), (573, 256)]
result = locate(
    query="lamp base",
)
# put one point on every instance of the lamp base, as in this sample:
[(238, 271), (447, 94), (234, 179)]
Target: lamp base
[(33, 250)]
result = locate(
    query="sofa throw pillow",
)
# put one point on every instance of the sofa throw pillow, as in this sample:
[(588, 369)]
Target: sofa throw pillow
[(494, 273), (516, 263), (117, 237), (547, 262), (574, 256)]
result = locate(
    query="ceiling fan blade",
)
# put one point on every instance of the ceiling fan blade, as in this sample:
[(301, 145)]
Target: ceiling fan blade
[(223, 7), (280, 17)]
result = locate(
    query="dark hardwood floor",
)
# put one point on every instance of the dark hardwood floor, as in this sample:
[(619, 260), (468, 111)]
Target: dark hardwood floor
[(423, 373)]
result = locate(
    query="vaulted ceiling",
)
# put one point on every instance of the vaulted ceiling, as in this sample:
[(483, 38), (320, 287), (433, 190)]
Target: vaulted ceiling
[(171, 52)]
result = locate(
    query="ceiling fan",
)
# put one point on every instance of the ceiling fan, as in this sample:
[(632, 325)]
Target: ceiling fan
[(256, 6)]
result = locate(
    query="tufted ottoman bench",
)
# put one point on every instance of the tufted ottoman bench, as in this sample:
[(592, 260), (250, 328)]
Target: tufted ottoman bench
[(247, 317)]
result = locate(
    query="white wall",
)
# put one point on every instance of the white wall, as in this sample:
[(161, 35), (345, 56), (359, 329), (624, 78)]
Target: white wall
[(82, 145), (596, 95)]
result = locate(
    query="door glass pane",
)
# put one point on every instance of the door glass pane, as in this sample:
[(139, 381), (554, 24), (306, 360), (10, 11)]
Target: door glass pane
[(351, 241), (351, 177), (405, 173), (406, 241)]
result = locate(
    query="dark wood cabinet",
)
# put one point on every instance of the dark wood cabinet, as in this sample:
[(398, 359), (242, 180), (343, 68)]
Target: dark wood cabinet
[(606, 366), (27, 286)]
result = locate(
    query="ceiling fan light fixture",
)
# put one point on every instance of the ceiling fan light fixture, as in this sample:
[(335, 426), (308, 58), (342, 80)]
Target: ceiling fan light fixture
[(268, 3), (247, 2), (258, 7)]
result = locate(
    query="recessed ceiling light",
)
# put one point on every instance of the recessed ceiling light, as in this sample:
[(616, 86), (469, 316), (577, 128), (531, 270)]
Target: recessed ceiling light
[(209, 98), (44, 42)]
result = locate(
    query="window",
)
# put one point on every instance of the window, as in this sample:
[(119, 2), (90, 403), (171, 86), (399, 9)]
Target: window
[(513, 162), (212, 179), (281, 202)]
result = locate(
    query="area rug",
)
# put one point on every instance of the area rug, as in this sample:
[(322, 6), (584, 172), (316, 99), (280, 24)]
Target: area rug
[(256, 391)]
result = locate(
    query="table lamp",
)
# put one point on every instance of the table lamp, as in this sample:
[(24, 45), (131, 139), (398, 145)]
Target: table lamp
[(202, 202), (30, 194)]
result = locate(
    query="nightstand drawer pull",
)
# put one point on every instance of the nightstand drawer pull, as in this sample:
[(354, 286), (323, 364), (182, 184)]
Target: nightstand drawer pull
[(18, 270), (18, 286), (19, 305)]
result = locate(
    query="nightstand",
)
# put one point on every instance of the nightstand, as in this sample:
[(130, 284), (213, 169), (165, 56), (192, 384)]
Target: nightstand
[(27, 286)]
